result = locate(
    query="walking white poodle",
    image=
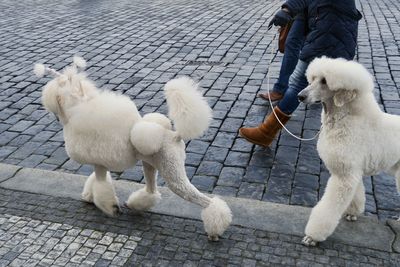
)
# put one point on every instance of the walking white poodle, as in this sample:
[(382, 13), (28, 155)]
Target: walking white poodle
[(104, 129), (356, 139)]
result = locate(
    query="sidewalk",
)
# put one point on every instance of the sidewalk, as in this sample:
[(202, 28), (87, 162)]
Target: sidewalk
[(43, 222)]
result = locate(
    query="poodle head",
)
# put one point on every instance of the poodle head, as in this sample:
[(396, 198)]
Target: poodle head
[(337, 79), (67, 89), (105, 199)]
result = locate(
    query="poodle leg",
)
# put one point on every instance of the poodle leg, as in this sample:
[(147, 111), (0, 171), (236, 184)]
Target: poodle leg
[(147, 197), (395, 171), (216, 214), (326, 214), (104, 196), (357, 205), (87, 194)]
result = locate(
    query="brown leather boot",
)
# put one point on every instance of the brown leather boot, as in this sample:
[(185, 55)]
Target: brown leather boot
[(265, 133), (274, 96)]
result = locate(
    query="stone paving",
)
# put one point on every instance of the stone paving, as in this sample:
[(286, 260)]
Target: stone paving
[(28, 242), (134, 47), (48, 231)]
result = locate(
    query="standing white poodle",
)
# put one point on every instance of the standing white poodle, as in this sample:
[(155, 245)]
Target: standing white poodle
[(104, 129), (356, 139)]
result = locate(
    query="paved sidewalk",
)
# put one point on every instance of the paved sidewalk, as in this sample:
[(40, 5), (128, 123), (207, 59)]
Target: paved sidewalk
[(134, 47), (52, 230)]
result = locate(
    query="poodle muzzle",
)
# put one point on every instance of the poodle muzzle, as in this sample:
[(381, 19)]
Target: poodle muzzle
[(306, 97)]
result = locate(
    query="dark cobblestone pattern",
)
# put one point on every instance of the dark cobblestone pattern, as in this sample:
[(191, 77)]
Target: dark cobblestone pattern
[(49, 231), (134, 47), (28, 242)]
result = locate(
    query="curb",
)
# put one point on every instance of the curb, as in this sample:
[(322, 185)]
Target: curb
[(366, 232)]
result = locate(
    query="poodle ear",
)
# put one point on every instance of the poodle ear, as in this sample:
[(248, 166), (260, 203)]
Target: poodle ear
[(344, 96)]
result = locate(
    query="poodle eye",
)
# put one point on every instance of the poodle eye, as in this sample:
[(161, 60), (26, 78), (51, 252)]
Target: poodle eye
[(323, 81)]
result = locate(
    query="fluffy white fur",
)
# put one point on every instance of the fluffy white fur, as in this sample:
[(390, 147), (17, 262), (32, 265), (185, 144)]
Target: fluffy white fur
[(101, 192), (147, 137), (39, 70), (159, 119), (143, 200), (79, 62), (356, 139), (104, 129), (187, 108), (340, 74), (216, 217)]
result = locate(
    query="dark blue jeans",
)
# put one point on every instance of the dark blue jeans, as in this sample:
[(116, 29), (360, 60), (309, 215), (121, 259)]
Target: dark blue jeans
[(297, 82), (293, 45)]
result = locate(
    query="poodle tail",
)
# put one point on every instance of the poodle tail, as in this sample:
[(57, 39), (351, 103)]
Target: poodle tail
[(187, 107)]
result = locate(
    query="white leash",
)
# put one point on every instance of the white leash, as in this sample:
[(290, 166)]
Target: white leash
[(273, 54)]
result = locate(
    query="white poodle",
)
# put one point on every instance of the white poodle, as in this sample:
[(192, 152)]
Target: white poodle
[(356, 139), (104, 129)]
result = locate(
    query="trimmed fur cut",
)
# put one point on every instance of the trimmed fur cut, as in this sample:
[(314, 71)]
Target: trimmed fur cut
[(159, 119), (216, 217), (143, 200), (357, 139), (102, 194), (147, 137), (104, 129)]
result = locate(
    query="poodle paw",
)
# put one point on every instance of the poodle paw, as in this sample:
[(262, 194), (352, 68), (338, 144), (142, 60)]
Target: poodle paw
[(213, 238), (142, 200), (351, 218), (87, 197), (308, 241)]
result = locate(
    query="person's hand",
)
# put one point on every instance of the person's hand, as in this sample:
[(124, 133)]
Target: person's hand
[(281, 18)]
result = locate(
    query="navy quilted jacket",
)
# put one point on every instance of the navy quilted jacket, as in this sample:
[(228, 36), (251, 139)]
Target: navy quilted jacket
[(332, 27)]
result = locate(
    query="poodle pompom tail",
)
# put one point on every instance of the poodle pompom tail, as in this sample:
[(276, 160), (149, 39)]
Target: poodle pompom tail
[(39, 70), (216, 217), (187, 107), (79, 62)]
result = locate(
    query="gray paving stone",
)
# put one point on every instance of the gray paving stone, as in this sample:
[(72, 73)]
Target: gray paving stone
[(224, 140), (216, 154), (7, 171), (209, 168), (303, 196), (231, 176), (225, 191), (307, 181), (205, 183), (250, 190), (256, 174), (237, 159)]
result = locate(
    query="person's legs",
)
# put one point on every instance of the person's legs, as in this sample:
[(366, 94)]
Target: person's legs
[(293, 45), (297, 82), (265, 133)]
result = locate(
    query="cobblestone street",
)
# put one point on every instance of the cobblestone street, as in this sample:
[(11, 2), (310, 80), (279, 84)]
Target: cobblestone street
[(38, 229), (135, 47)]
